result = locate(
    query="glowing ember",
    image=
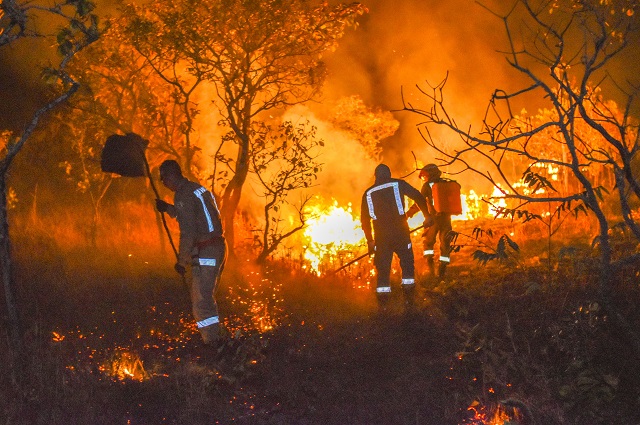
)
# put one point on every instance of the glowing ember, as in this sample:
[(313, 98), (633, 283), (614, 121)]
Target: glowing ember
[(125, 365), (57, 337), (498, 416), (257, 303), (332, 233)]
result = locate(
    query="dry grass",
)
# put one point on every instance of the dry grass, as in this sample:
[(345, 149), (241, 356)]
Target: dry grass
[(109, 338)]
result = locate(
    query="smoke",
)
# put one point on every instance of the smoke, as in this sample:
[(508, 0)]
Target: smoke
[(347, 169), (401, 44)]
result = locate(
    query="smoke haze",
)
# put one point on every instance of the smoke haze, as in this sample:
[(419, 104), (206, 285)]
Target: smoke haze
[(399, 44)]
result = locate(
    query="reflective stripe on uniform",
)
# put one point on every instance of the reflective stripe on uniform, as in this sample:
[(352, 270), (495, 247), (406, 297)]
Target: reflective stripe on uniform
[(428, 252), (207, 261), (383, 289), (208, 322), (445, 259), (396, 192), (199, 192), (408, 281)]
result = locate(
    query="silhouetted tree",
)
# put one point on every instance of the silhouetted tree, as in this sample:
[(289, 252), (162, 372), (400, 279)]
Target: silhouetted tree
[(568, 76), (567, 51), (284, 161), (18, 23), (260, 55)]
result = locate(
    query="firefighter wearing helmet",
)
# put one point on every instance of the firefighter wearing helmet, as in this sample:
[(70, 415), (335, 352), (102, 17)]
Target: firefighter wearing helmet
[(431, 175), (383, 204)]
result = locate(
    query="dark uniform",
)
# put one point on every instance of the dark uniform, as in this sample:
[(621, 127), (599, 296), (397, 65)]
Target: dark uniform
[(202, 246), (384, 204), (442, 222)]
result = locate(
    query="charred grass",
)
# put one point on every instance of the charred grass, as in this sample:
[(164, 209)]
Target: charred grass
[(109, 340)]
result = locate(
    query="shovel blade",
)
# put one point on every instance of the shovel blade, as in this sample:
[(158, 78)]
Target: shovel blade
[(124, 155)]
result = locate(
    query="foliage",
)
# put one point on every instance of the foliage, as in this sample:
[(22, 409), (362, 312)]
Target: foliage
[(18, 21), (580, 139), (122, 93), (504, 251), (284, 160), (259, 56)]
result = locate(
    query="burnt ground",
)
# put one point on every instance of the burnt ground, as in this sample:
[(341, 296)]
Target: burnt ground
[(119, 347)]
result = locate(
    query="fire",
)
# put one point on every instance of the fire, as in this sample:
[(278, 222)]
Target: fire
[(500, 415), (332, 233), (473, 207), (124, 365), (258, 302)]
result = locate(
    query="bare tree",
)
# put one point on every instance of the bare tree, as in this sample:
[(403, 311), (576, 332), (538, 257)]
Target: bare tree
[(164, 58), (18, 23), (567, 51), (284, 161), (568, 76), (260, 55)]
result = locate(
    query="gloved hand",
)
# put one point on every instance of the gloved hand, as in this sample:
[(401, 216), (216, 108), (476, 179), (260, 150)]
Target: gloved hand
[(161, 205), (371, 246), (428, 222), (180, 269)]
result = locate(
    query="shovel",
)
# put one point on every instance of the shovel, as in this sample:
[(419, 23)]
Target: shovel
[(125, 155)]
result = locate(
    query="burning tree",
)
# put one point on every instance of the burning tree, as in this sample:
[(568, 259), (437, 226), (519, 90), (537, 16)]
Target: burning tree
[(567, 52), (19, 23), (260, 55), (283, 161), (122, 92)]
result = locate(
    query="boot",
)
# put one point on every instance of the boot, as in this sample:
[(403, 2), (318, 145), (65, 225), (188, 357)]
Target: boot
[(211, 334), (442, 268), (409, 292), (384, 299), (430, 266)]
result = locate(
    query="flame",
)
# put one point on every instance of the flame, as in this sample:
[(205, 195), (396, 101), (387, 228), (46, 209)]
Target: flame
[(332, 233), (491, 416), (125, 365)]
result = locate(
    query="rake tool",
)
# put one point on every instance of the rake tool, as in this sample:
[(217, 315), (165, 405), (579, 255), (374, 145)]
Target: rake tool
[(125, 155)]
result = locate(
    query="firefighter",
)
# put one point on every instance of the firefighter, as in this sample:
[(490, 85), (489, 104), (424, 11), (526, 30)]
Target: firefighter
[(384, 204), (202, 244), (431, 174)]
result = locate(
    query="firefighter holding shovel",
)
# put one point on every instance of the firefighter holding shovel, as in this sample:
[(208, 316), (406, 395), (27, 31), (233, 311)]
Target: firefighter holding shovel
[(384, 205), (202, 244)]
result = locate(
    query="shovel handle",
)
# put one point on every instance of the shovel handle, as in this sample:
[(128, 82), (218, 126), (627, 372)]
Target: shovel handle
[(164, 220)]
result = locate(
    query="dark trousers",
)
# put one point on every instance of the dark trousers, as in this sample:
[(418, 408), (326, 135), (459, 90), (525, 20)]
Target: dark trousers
[(440, 230), (385, 248)]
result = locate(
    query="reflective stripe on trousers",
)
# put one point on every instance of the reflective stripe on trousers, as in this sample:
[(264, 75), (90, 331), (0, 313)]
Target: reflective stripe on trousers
[(207, 262), (208, 322)]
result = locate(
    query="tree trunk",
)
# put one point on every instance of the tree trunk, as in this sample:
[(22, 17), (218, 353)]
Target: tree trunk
[(233, 191), (15, 340), (231, 199)]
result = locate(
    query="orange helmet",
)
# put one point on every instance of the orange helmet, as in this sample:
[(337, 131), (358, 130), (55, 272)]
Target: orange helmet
[(430, 172)]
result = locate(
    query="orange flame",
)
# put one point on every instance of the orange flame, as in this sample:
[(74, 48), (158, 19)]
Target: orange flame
[(331, 233)]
